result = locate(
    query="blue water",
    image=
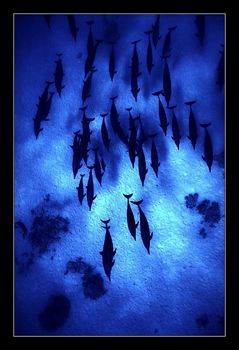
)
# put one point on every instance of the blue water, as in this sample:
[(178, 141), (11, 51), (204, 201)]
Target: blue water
[(179, 288)]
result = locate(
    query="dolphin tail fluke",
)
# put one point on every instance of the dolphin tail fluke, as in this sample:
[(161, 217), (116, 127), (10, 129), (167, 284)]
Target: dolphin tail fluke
[(82, 175), (128, 109), (113, 98), (172, 107), (103, 114), (157, 93), (137, 202), (190, 103), (128, 196), (90, 167), (135, 42), (89, 23), (205, 125), (170, 29), (105, 221)]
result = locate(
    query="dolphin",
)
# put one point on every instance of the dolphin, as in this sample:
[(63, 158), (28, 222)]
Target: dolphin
[(192, 125), (144, 226), (130, 217), (108, 251), (208, 149), (162, 115), (80, 189)]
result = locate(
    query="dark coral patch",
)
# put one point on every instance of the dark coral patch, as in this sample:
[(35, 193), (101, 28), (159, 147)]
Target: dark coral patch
[(55, 313), (191, 200), (93, 284)]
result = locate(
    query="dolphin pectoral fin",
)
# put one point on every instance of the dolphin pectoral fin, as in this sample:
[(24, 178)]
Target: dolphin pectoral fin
[(173, 138), (113, 262), (62, 87), (146, 171), (101, 253), (114, 252), (189, 137), (41, 129), (204, 158), (137, 224), (115, 71), (84, 195), (151, 236), (94, 197)]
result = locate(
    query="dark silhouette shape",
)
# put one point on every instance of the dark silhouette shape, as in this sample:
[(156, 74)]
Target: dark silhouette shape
[(90, 39), (132, 143), (154, 155), (97, 167), (162, 115), (37, 126), (130, 217), (142, 137), (102, 163), (104, 132), (135, 58), (80, 189), (200, 24), (43, 109), (192, 125), (46, 229), (149, 58), (210, 212), (112, 69), (108, 251), (208, 150), (22, 228), (166, 81), (191, 200), (77, 153), (59, 75), (141, 162), (114, 116), (176, 133), (55, 313), (89, 63), (73, 27), (155, 30), (90, 188), (134, 85), (135, 71), (144, 226), (87, 85), (220, 69), (93, 284), (167, 42)]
